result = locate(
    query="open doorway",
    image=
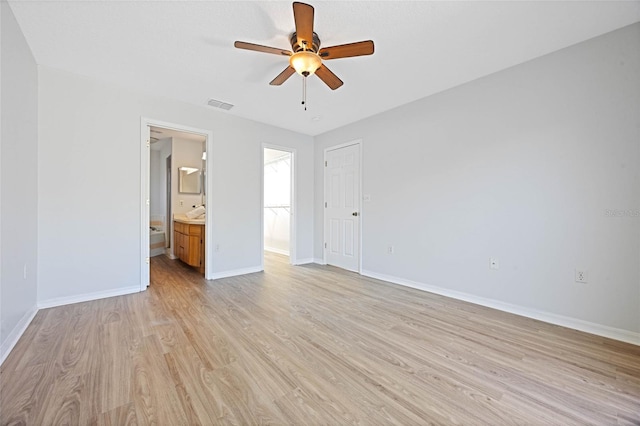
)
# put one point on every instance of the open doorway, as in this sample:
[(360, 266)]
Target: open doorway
[(174, 171), (278, 202), (172, 152)]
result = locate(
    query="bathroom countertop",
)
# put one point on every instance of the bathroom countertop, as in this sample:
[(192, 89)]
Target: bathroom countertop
[(182, 218)]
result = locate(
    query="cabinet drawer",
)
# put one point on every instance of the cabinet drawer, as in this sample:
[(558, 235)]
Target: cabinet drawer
[(195, 230), (178, 227)]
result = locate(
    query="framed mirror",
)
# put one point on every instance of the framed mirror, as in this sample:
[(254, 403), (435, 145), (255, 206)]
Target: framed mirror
[(188, 180)]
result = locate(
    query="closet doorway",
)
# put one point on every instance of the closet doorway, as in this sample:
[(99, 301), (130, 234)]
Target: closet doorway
[(278, 201)]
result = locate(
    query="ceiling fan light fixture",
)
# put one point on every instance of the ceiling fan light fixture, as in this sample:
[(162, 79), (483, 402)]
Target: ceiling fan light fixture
[(305, 62)]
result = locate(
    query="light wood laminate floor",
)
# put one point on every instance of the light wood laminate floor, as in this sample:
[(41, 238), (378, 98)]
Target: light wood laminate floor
[(308, 345)]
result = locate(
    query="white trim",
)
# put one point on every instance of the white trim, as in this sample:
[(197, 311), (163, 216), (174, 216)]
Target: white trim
[(276, 250), (319, 261), (262, 207), (3, 351), (293, 222), (293, 206), (144, 179), (304, 261), (2, 344), (17, 332), (208, 199), (324, 199), (236, 272), (60, 301), (145, 170), (360, 206), (574, 323)]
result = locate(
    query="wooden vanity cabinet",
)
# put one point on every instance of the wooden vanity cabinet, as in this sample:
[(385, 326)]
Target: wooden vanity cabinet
[(188, 242)]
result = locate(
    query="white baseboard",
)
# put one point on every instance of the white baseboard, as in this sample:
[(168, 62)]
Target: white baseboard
[(574, 323), (277, 250), (59, 301), (319, 261), (17, 332), (235, 272), (304, 261)]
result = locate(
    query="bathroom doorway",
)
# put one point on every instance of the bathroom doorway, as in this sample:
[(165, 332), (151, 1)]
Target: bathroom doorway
[(278, 202), (168, 151)]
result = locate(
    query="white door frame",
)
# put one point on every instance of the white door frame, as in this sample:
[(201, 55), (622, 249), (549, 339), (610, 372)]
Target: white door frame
[(145, 159), (324, 196), (293, 258)]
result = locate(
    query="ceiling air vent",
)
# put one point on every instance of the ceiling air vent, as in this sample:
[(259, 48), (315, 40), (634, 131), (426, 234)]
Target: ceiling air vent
[(219, 104)]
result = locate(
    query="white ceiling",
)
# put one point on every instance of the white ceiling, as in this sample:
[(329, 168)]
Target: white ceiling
[(273, 154), (184, 49)]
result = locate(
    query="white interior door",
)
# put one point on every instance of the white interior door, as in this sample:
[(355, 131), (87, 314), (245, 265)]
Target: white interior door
[(342, 207)]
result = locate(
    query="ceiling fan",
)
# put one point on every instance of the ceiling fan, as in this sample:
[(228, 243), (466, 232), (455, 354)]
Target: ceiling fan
[(306, 56)]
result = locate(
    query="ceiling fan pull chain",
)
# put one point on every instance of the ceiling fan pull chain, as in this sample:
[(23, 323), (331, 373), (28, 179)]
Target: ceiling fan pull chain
[(304, 92)]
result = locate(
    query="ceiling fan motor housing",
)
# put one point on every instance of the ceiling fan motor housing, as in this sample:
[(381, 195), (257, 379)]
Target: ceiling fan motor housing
[(297, 47)]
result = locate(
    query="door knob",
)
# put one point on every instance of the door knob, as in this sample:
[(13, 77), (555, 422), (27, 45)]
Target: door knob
[(354, 214)]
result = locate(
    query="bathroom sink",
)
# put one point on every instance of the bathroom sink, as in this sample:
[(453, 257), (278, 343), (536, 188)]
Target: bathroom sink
[(182, 218)]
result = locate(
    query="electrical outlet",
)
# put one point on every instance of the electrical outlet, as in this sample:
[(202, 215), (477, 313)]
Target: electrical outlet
[(390, 250), (217, 247), (581, 276), (181, 203), (494, 264)]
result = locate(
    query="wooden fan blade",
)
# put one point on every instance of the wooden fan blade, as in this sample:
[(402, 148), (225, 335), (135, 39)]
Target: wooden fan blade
[(261, 48), (328, 77), (303, 15), (347, 50), (283, 76)]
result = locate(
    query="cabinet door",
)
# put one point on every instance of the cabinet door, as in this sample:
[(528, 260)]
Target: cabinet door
[(181, 247), (194, 251), (184, 243), (176, 244)]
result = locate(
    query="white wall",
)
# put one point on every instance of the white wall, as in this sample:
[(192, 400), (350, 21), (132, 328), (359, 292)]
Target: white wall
[(158, 191), (185, 153), (80, 257), (156, 185), (521, 165), (18, 181), (165, 152)]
